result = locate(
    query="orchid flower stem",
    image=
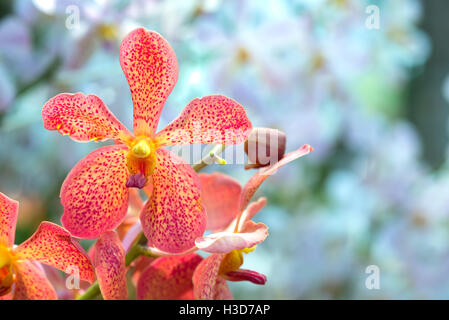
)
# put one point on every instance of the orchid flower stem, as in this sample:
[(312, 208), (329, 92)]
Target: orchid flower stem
[(134, 252), (91, 293), (138, 249), (145, 251)]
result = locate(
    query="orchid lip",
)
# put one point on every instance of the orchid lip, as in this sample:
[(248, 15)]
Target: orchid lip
[(137, 180), (246, 275)]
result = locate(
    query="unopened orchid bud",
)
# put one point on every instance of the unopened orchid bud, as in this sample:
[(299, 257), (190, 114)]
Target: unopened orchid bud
[(264, 147)]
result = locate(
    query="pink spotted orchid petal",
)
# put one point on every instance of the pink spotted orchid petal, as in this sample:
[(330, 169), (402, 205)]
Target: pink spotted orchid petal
[(220, 194), (213, 119), (252, 209), (246, 275), (8, 220), (150, 66), (223, 242), (205, 278), (8, 296), (83, 118), (139, 266), (53, 245), (168, 278), (173, 217), (256, 180), (222, 291), (31, 283), (94, 194), (110, 267)]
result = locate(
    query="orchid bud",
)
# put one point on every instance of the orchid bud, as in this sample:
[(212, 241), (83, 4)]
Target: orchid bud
[(264, 147)]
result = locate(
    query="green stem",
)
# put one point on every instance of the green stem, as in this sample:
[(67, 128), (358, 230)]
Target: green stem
[(91, 293)]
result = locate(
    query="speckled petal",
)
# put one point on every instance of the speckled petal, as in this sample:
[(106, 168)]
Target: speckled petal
[(31, 283), (173, 217), (222, 291), (205, 278), (212, 119), (83, 118), (110, 267), (139, 266), (53, 245), (94, 194), (168, 278), (223, 242), (220, 197), (150, 66), (256, 180), (8, 220)]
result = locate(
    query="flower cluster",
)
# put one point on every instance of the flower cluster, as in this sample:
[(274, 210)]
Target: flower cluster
[(103, 187), (310, 67)]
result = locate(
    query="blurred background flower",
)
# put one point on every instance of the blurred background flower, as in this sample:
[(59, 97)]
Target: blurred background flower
[(372, 102)]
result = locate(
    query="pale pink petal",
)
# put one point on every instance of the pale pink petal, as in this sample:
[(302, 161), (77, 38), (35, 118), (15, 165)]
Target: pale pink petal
[(94, 194), (212, 119), (150, 66), (173, 217), (110, 267), (8, 220), (251, 210), (131, 236), (160, 253), (83, 118), (220, 197), (168, 278), (53, 245), (256, 180), (31, 283), (223, 242)]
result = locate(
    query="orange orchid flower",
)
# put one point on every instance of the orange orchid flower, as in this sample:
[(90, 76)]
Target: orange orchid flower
[(95, 193), (21, 276)]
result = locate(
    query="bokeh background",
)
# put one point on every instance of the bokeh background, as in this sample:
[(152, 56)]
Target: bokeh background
[(372, 102)]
